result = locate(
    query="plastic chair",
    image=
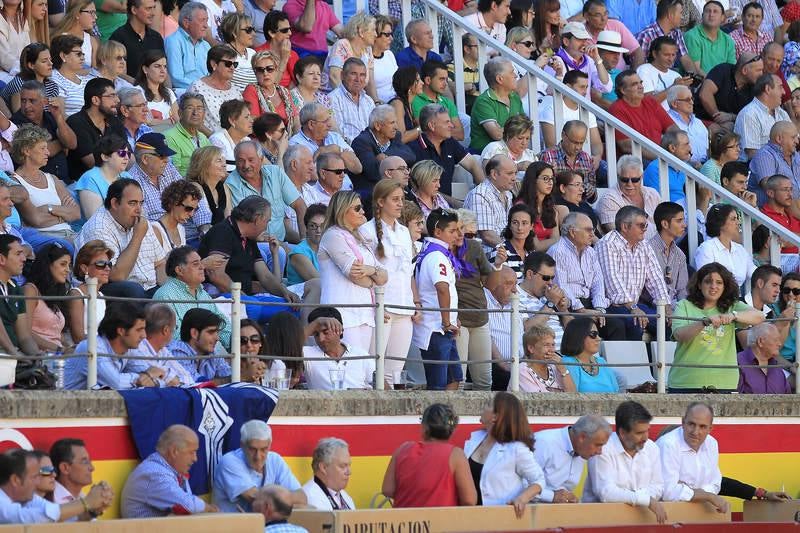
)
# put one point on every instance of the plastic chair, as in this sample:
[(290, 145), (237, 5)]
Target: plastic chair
[(669, 355), (628, 352)]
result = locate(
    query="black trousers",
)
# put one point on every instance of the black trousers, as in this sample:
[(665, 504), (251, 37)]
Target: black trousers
[(614, 330)]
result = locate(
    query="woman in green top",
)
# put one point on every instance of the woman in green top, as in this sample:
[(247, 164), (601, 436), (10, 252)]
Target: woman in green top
[(723, 147), (704, 326)]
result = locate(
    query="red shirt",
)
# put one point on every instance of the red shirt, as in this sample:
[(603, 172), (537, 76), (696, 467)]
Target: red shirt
[(787, 221), (423, 477), (649, 118)]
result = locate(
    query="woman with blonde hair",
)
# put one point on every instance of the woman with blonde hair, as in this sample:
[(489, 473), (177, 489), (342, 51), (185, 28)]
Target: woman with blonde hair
[(79, 20), (515, 144), (426, 177), (348, 269), (358, 37), (391, 243), (207, 170), (236, 30), (37, 20), (112, 63), (267, 95)]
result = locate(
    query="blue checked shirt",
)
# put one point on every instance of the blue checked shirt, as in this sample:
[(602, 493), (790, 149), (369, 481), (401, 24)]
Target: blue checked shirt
[(36, 511), (154, 488), (202, 370), (233, 476), (112, 372)]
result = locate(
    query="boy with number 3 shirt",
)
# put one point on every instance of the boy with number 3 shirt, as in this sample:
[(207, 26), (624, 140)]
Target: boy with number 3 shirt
[(436, 273)]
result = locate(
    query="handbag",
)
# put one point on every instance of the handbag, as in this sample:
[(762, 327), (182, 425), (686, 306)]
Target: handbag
[(33, 375)]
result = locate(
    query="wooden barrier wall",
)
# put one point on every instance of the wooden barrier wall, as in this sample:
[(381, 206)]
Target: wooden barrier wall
[(761, 511), (209, 523)]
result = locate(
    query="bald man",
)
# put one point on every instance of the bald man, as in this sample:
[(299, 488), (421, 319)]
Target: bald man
[(395, 167), (690, 460), (275, 504), (778, 156), (498, 374), (159, 486)]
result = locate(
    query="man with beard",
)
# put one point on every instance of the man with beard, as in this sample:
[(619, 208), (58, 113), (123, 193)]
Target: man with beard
[(98, 116), (629, 469)]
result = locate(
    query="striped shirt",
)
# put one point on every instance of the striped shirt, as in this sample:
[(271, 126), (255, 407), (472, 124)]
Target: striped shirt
[(772, 16), (654, 31), (500, 326), (351, 116), (490, 205), (71, 91), (743, 43), (578, 275), (529, 304), (626, 270), (672, 262), (754, 122)]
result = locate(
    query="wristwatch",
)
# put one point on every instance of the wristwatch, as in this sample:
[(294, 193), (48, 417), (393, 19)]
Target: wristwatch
[(50, 209), (706, 321), (735, 315)]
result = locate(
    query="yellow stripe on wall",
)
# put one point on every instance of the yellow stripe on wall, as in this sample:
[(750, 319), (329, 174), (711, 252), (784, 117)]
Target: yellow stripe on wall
[(773, 471)]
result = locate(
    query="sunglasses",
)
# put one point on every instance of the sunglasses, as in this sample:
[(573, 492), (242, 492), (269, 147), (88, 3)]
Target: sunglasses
[(337, 171), (787, 290), (103, 264), (630, 180), (545, 278), (384, 34), (262, 70), (252, 339), (47, 471), (470, 235), (188, 208), (593, 334), (358, 208), (124, 153), (248, 29), (526, 44), (287, 29), (230, 64)]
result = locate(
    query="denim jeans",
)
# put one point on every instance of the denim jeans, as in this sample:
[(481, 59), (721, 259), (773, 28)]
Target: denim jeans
[(442, 348)]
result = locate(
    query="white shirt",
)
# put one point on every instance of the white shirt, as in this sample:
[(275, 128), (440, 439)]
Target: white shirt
[(315, 194), (547, 115), (398, 260), (737, 260), (509, 469), (497, 31), (655, 81), (384, 69), (684, 469), (318, 500), (529, 304), (500, 327), (357, 373), (223, 140), (216, 13), (435, 268), (554, 453), (61, 495), (616, 477)]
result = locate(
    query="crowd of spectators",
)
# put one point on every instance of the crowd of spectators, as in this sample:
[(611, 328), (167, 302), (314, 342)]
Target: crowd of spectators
[(169, 151)]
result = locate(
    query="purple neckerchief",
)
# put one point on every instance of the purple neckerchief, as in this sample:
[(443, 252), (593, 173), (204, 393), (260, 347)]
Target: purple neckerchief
[(430, 246), (569, 62), (468, 270)]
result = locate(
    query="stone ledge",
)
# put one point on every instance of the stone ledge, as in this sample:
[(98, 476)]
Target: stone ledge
[(109, 404)]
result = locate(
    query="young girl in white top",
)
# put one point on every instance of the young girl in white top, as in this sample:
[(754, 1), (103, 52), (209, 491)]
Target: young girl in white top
[(436, 272), (391, 243)]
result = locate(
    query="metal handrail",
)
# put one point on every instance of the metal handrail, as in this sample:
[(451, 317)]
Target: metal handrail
[(612, 123)]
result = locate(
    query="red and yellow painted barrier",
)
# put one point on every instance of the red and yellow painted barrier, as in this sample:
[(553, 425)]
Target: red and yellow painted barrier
[(759, 451)]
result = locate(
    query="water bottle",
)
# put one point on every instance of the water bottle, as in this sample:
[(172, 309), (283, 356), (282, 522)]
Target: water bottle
[(57, 367)]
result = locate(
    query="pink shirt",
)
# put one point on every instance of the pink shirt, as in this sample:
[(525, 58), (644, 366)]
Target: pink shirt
[(316, 40), (628, 40), (529, 381)]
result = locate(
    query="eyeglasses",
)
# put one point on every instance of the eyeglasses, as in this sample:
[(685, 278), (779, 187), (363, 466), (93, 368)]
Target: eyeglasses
[(755, 59), (545, 278), (47, 471), (384, 34), (252, 339), (143, 104), (526, 44), (124, 153), (337, 171), (262, 70), (122, 58), (401, 169), (358, 208), (188, 208), (92, 12), (578, 184), (641, 225), (112, 95), (228, 63), (787, 290), (248, 29), (688, 99), (593, 334), (630, 180), (287, 29), (470, 235), (546, 179), (103, 264)]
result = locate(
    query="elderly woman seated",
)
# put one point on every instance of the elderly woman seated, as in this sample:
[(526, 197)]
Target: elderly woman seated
[(515, 144), (544, 372)]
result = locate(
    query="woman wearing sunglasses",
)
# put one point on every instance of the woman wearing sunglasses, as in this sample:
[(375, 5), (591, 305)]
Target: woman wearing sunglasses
[(251, 340), (111, 156), (180, 201), (790, 293), (47, 476), (348, 269), (67, 54), (708, 335), (581, 344), (268, 96), (237, 30), (92, 261), (217, 87)]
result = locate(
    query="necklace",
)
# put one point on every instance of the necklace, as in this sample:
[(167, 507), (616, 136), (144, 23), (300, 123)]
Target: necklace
[(274, 92)]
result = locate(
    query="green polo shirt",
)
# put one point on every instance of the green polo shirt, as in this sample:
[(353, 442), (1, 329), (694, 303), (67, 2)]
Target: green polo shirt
[(709, 53), (487, 108), (184, 145), (422, 99)]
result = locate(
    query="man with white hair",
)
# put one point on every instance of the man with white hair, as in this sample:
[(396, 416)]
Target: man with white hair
[(629, 191), (562, 452), (681, 110), (764, 343), (376, 143), (316, 133), (331, 465), (690, 460), (133, 112), (241, 472)]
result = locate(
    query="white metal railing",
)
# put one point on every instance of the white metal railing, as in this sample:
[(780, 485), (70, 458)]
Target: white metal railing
[(436, 10), (379, 306)]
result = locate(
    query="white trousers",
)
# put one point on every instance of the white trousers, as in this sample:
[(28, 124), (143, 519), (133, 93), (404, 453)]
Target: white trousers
[(475, 344)]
